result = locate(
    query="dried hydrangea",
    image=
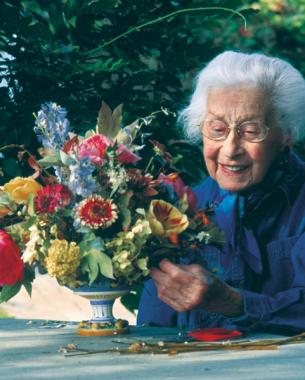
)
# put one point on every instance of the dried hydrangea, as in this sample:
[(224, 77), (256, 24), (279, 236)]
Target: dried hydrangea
[(63, 261)]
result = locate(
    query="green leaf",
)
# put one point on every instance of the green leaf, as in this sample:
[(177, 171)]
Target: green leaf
[(9, 291), (4, 199), (183, 203), (31, 209), (131, 300), (125, 214), (28, 287), (28, 274), (66, 159), (141, 211), (26, 225), (96, 262), (127, 134), (105, 121), (49, 161), (117, 116)]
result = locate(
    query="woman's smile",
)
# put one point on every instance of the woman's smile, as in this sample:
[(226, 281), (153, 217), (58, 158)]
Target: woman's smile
[(233, 169)]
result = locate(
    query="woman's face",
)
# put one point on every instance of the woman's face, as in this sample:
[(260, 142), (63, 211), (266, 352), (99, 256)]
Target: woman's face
[(235, 164)]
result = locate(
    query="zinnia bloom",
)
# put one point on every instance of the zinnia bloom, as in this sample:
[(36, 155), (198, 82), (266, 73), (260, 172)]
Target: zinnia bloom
[(165, 219), (11, 265), (96, 212), (19, 189), (51, 197)]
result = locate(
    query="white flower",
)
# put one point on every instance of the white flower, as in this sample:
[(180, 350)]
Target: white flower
[(141, 227), (32, 246)]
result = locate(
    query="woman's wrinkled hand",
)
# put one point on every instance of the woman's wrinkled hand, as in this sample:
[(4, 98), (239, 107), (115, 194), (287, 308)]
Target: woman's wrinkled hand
[(185, 287)]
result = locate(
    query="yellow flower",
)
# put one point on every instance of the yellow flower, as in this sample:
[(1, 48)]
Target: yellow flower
[(62, 261), (165, 219), (20, 188)]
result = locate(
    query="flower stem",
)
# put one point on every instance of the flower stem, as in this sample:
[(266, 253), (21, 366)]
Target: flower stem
[(94, 52)]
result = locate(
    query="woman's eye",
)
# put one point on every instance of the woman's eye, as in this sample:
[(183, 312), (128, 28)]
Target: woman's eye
[(218, 127), (250, 129)]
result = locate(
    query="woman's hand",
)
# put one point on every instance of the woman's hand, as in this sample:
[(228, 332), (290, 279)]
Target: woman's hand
[(185, 287)]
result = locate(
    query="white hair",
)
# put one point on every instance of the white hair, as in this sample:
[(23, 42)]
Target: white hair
[(283, 84)]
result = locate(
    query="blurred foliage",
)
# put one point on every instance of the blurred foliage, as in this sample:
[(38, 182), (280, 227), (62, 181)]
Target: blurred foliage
[(58, 51), (54, 51)]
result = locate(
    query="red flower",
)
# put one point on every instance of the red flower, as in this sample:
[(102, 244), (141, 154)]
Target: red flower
[(52, 197), (11, 265)]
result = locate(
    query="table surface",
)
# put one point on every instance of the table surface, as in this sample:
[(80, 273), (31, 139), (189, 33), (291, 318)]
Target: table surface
[(31, 350)]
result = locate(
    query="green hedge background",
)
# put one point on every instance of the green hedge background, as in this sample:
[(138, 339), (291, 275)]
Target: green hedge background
[(57, 51)]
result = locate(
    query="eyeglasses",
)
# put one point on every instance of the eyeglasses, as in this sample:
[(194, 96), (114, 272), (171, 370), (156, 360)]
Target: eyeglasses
[(250, 131)]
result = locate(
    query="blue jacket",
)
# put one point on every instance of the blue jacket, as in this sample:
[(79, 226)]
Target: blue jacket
[(264, 256)]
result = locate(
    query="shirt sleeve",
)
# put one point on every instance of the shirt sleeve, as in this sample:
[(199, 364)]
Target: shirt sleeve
[(152, 311), (285, 308)]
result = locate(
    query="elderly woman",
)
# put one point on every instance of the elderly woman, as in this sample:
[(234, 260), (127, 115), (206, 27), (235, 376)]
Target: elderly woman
[(249, 109)]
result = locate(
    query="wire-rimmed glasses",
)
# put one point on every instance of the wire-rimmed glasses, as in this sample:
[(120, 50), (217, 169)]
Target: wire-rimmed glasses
[(218, 130)]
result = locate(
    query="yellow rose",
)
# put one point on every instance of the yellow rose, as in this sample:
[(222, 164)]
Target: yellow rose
[(165, 219), (20, 188)]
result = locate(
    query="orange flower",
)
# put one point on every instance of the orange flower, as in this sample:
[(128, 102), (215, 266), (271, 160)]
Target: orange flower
[(201, 217), (20, 188), (165, 219)]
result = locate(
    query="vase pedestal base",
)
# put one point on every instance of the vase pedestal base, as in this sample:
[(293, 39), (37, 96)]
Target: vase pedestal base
[(89, 328), (101, 332)]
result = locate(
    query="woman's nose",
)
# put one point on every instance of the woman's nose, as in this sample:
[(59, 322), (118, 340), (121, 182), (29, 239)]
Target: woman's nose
[(232, 145)]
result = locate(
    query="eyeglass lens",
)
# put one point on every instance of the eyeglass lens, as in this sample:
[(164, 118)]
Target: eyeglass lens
[(219, 130)]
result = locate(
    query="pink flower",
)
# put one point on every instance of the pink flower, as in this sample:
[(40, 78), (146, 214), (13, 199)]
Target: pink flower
[(95, 148), (180, 188), (11, 265)]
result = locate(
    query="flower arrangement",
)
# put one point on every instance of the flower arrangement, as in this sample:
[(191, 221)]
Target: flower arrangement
[(93, 212)]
